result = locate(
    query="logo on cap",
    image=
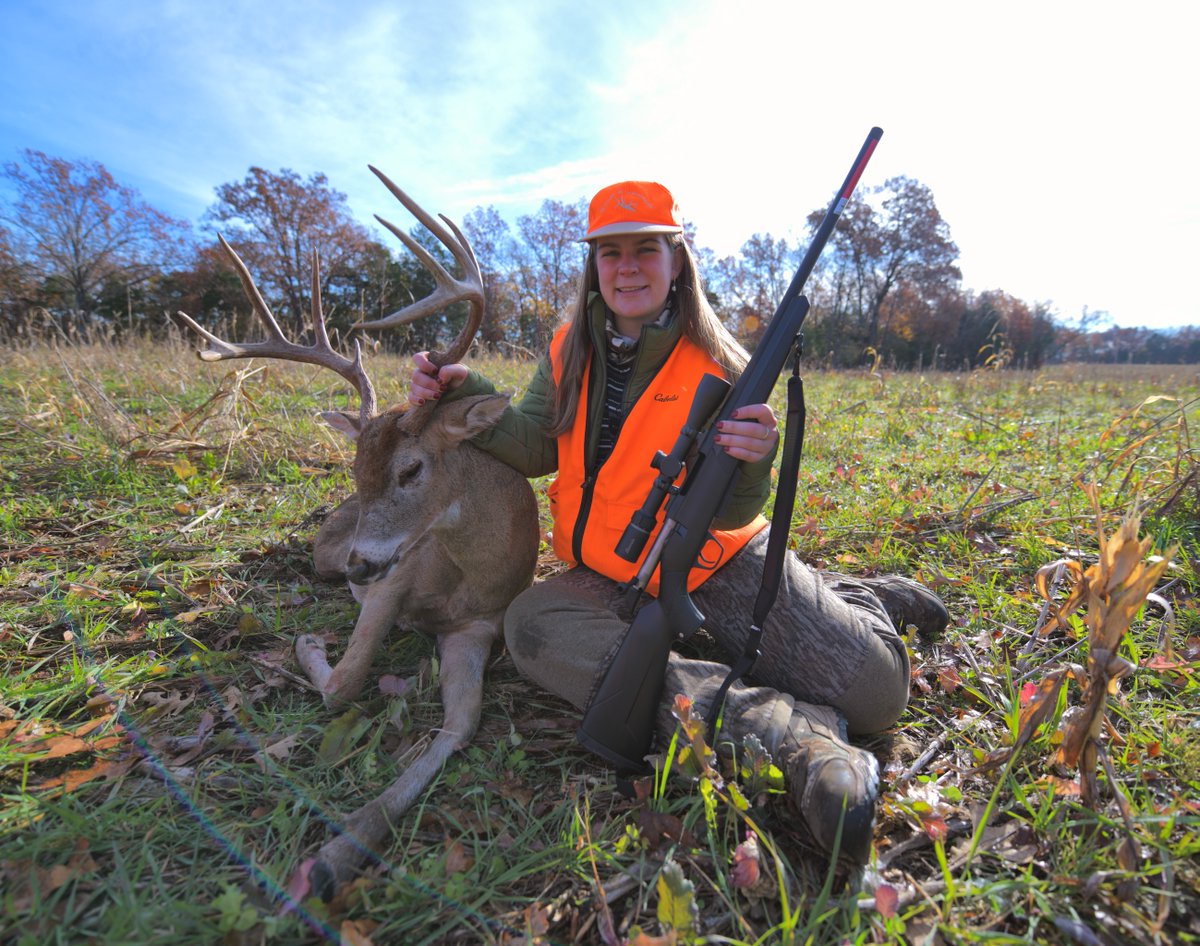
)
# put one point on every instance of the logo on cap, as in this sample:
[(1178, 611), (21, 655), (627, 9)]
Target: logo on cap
[(632, 207)]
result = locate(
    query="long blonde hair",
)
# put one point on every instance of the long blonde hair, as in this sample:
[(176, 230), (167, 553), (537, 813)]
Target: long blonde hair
[(698, 323)]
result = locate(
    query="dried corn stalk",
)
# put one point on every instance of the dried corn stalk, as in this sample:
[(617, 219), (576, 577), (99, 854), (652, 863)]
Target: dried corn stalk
[(1110, 593)]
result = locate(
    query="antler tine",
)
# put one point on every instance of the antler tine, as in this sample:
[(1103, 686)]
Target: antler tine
[(449, 290), (252, 293), (459, 346), (413, 207), (320, 353)]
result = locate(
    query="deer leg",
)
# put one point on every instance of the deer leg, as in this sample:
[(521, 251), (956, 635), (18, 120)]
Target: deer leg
[(464, 653), (313, 660), (344, 682)]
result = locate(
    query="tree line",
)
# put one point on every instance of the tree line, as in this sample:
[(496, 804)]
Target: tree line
[(81, 253)]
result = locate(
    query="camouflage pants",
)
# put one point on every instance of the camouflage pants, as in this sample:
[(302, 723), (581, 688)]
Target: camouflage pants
[(828, 640)]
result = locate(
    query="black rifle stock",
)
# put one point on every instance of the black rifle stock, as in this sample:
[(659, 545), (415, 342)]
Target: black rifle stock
[(619, 721)]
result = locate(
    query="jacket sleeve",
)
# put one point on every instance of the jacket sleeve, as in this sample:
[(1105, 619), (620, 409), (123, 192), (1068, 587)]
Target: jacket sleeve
[(749, 493), (519, 438)]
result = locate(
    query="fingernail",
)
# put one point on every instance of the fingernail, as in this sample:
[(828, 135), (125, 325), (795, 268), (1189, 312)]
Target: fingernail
[(420, 401)]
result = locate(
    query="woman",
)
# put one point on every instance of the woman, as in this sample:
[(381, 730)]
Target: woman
[(614, 389)]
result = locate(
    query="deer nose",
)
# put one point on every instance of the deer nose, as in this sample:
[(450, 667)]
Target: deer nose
[(360, 570)]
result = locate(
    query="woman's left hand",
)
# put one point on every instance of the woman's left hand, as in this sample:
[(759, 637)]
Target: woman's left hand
[(750, 434)]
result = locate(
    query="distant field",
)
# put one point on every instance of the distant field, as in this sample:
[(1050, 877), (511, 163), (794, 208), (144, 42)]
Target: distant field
[(163, 768)]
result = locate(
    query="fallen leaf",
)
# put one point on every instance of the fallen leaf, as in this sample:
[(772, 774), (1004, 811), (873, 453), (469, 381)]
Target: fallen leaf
[(934, 826), (298, 886), (949, 679), (341, 735), (670, 938), (55, 747), (457, 858), (357, 932), (657, 827), (71, 780), (281, 748), (191, 617), (537, 920), (169, 703), (886, 900)]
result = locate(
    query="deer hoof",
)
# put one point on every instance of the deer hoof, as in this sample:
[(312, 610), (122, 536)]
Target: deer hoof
[(322, 882), (309, 646)]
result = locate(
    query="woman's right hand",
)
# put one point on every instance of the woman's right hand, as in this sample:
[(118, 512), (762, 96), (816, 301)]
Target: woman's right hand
[(428, 382)]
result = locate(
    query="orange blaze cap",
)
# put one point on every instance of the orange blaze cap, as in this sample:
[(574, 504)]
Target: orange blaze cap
[(632, 207)]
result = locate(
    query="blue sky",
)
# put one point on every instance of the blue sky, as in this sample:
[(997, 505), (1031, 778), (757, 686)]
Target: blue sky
[(1058, 138)]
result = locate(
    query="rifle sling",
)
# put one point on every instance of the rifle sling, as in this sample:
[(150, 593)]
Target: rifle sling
[(781, 522)]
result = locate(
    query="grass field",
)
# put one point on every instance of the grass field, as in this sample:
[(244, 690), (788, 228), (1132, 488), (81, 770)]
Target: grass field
[(163, 768)]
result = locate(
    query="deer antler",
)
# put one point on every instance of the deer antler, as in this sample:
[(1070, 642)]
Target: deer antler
[(468, 288), (449, 290), (277, 346)]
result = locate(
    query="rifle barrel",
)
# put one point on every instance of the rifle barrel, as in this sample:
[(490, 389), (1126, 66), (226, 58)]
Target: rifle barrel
[(836, 206)]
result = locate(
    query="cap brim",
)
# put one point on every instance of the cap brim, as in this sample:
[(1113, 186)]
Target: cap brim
[(626, 229)]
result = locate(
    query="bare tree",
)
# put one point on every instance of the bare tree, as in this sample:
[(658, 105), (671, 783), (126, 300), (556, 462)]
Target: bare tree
[(496, 251), (277, 222), (875, 251), (551, 262), (72, 227), (754, 281)]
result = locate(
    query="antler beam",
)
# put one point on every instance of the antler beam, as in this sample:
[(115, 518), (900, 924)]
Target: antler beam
[(277, 346), (449, 289)]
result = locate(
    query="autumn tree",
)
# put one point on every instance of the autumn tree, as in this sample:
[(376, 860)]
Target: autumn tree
[(72, 228), (752, 283), (276, 222), (874, 252), (496, 250), (549, 264)]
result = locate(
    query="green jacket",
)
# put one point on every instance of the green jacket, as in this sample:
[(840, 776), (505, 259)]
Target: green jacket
[(520, 439)]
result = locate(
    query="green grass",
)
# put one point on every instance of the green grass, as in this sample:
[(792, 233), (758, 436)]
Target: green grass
[(163, 769)]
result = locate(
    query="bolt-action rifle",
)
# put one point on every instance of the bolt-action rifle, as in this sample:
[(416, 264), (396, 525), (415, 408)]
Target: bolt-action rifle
[(618, 723)]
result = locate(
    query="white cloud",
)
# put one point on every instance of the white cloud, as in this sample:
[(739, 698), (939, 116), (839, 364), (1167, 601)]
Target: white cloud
[(1056, 137)]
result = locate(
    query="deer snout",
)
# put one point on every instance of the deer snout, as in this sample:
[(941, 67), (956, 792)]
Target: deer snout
[(361, 570)]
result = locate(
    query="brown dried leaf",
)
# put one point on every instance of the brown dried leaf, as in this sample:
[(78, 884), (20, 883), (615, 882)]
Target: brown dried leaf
[(457, 858), (886, 900), (948, 679), (1039, 707), (169, 703), (657, 827), (357, 932)]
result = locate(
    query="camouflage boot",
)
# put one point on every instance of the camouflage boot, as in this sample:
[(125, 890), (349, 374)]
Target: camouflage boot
[(828, 782)]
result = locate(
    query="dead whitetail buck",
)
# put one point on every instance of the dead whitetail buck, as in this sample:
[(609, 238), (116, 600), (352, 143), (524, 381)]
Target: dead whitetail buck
[(438, 536)]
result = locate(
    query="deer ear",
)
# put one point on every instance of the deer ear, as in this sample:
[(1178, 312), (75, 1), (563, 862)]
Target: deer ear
[(340, 420), (468, 416)]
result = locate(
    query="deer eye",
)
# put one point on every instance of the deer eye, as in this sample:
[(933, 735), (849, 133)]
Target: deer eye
[(406, 475)]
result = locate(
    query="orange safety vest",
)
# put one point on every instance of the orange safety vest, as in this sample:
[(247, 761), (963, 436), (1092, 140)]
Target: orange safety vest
[(625, 478)]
